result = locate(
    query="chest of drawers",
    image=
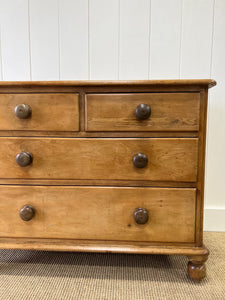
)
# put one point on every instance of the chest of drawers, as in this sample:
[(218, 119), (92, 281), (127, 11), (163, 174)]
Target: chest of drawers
[(104, 166)]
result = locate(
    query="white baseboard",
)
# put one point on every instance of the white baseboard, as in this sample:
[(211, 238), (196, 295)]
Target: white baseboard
[(214, 219)]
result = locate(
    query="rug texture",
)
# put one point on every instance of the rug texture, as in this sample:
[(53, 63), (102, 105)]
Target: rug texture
[(62, 275)]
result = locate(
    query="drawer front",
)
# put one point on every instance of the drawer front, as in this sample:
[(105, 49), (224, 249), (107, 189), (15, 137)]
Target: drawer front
[(168, 112), (49, 112), (100, 213), (162, 159)]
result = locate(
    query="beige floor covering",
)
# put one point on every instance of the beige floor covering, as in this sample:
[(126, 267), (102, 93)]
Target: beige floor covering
[(62, 275)]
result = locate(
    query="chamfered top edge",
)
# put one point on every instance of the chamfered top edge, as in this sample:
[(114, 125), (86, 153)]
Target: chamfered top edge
[(171, 82)]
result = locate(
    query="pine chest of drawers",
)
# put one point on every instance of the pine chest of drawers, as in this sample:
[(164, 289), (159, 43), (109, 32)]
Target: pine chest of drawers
[(104, 166)]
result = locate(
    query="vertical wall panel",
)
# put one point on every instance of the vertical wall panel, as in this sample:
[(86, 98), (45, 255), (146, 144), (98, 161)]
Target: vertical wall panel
[(196, 38), (103, 39), (73, 39), (215, 196), (165, 34), (1, 73), (14, 40), (134, 39), (44, 39)]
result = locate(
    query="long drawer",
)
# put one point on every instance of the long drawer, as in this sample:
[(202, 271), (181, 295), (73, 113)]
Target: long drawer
[(39, 112), (101, 213), (165, 159), (143, 112)]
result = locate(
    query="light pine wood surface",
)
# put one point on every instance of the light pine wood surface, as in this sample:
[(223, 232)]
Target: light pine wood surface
[(172, 159), (50, 112), (116, 112), (102, 213)]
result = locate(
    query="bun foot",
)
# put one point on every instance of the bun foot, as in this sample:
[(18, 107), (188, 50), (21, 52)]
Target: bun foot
[(196, 267), (196, 272)]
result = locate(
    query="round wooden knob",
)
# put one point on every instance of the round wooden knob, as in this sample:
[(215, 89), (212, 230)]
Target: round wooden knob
[(143, 111), (141, 215), (140, 160), (27, 213), (24, 159), (23, 111)]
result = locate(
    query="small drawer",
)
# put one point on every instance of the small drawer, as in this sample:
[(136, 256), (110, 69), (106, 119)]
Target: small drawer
[(155, 159), (143, 112), (100, 213), (39, 112)]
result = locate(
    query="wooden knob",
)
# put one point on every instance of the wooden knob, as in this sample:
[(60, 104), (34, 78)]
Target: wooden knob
[(27, 213), (141, 215), (143, 111), (24, 159), (140, 160), (23, 111)]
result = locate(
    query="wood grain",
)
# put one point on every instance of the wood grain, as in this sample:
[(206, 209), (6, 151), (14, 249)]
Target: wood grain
[(201, 170), (50, 112), (103, 246), (171, 159), (83, 184), (192, 83), (169, 112), (85, 134), (99, 213), (96, 87), (196, 266), (93, 182)]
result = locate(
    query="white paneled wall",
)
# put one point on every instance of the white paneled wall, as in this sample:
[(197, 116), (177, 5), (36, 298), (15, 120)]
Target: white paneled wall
[(15, 48), (134, 34), (44, 39), (165, 41), (125, 39), (103, 39), (196, 38), (215, 159), (73, 39)]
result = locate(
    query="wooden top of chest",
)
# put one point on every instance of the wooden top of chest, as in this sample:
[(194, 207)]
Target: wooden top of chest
[(207, 83)]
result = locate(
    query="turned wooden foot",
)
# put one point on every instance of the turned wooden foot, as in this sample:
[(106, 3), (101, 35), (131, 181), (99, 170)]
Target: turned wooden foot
[(196, 267)]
